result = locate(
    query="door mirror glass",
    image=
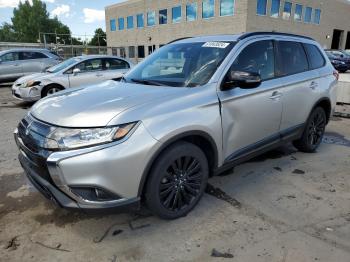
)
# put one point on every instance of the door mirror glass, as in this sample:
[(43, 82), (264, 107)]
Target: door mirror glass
[(76, 71), (242, 79)]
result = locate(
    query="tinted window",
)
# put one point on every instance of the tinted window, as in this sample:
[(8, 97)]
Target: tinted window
[(131, 51), (151, 18), (13, 56), (292, 58), (261, 7), (191, 12), (130, 22), (208, 7), (140, 20), (90, 65), (141, 51), (308, 13), (31, 55), (176, 14), (163, 16), (121, 23), (257, 58), (317, 16), (287, 10), (112, 25), (114, 64), (298, 12), (226, 7), (275, 8), (315, 57)]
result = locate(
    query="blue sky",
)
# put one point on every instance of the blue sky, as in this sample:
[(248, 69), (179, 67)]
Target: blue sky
[(82, 16)]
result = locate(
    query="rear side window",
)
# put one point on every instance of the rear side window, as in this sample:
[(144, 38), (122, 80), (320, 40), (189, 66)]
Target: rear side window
[(114, 64), (257, 58), (32, 55), (316, 59), (292, 58), (9, 57)]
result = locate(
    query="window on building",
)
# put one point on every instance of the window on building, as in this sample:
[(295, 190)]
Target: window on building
[(139, 21), (315, 57), (131, 51), (261, 7), (112, 25), (141, 51), (298, 14), (163, 16), (151, 18), (308, 13), (287, 10), (317, 16), (191, 12), (208, 7), (122, 52), (294, 58), (226, 7), (257, 58), (176, 14), (275, 8), (130, 22), (121, 23)]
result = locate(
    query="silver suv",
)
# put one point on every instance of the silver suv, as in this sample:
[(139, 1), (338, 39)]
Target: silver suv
[(15, 63), (193, 109)]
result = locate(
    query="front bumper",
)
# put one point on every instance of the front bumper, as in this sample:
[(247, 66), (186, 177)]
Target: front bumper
[(30, 94), (107, 167)]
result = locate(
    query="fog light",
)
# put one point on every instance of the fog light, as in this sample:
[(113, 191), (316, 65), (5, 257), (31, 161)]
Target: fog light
[(94, 194)]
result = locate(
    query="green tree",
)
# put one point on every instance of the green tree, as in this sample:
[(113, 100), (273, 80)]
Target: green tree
[(99, 38), (7, 33)]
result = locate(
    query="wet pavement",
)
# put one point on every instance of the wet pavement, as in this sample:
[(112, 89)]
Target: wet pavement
[(281, 206)]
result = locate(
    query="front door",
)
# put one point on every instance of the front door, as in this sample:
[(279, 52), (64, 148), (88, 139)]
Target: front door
[(91, 72), (251, 117)]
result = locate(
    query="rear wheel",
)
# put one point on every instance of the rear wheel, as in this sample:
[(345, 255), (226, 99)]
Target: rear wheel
[(313, 132), (177, 181), (51, 89)]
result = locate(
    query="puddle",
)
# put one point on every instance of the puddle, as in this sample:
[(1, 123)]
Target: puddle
[(335, 139)]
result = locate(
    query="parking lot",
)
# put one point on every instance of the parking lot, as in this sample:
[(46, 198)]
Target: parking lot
[(282, 206)]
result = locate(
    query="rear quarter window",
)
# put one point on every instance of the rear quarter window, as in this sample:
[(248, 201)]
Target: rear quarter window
[(292, 58), (316, 58)]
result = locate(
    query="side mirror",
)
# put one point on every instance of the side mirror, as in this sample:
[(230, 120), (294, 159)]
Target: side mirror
[(241, 79), (76, 71)]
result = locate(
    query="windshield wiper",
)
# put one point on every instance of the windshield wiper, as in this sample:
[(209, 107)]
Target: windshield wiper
[(146, 82)]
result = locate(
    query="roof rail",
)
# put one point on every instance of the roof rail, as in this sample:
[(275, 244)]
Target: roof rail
[(246, 35), (178, 39)]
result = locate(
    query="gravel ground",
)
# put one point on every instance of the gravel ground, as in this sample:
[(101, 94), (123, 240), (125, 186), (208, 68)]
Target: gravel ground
[(282, 206)]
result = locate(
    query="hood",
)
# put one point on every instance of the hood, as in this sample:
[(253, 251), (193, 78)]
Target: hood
[(36, 77), (95, 106)]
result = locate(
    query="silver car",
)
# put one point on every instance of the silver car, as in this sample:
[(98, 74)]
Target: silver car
[(15, 63), (74, 72), (192, 109)]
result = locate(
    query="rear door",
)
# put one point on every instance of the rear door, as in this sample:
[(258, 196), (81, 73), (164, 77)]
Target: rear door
[(10, 67), (299, 85), (91, 72), (115, 68), (32, 62)]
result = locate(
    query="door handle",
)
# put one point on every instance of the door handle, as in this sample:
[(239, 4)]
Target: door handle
[(313, 85), (275, 95)]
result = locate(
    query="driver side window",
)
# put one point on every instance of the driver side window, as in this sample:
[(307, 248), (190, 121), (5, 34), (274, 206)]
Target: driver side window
[(258, 58)]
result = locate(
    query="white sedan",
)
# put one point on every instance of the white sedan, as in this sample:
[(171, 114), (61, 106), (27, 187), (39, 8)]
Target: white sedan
[(74, 72)]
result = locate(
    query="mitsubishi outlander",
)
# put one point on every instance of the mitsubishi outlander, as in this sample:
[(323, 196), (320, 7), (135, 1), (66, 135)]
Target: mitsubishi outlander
[(192, 109)]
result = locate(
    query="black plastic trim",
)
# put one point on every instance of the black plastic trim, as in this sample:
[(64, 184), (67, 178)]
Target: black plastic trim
[(246, 35)]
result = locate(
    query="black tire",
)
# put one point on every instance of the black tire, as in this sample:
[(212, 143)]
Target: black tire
[(51, 89), (313, 132), (177, 180), (342, 71)]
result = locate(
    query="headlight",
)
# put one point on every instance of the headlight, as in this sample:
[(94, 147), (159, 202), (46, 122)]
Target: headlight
[(32, 83), (71, 138)]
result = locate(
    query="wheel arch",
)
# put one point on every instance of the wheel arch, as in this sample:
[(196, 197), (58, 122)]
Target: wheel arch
[(199, 138), (326, 104), (46, 87)]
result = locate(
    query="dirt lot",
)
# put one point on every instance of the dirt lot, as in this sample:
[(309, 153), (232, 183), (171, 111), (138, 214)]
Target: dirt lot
[(282, 206)]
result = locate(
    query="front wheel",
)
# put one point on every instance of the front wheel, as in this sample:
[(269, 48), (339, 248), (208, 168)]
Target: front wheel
[(177, 181), (51, 89), (313, 132)]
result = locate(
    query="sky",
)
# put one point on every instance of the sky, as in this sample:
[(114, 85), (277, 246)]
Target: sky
[(82, 16)]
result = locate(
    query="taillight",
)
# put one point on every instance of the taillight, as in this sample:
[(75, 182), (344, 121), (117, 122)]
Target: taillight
[(336, 74)]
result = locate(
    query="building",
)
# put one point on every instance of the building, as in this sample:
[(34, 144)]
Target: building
[(135, 28)]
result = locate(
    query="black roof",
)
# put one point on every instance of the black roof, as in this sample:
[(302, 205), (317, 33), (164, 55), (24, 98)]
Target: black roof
[(246, 35)]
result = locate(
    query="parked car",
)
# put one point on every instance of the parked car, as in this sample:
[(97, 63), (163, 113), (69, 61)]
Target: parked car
[(74, 72), (15, 63), (339, 59), (157, 135)]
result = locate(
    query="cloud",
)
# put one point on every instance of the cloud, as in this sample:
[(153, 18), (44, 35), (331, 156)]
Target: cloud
[(93, 15), (14, 3), (60, 11)]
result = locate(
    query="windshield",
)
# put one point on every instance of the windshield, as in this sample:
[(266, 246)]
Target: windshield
[(63, 65), (181, 65)]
